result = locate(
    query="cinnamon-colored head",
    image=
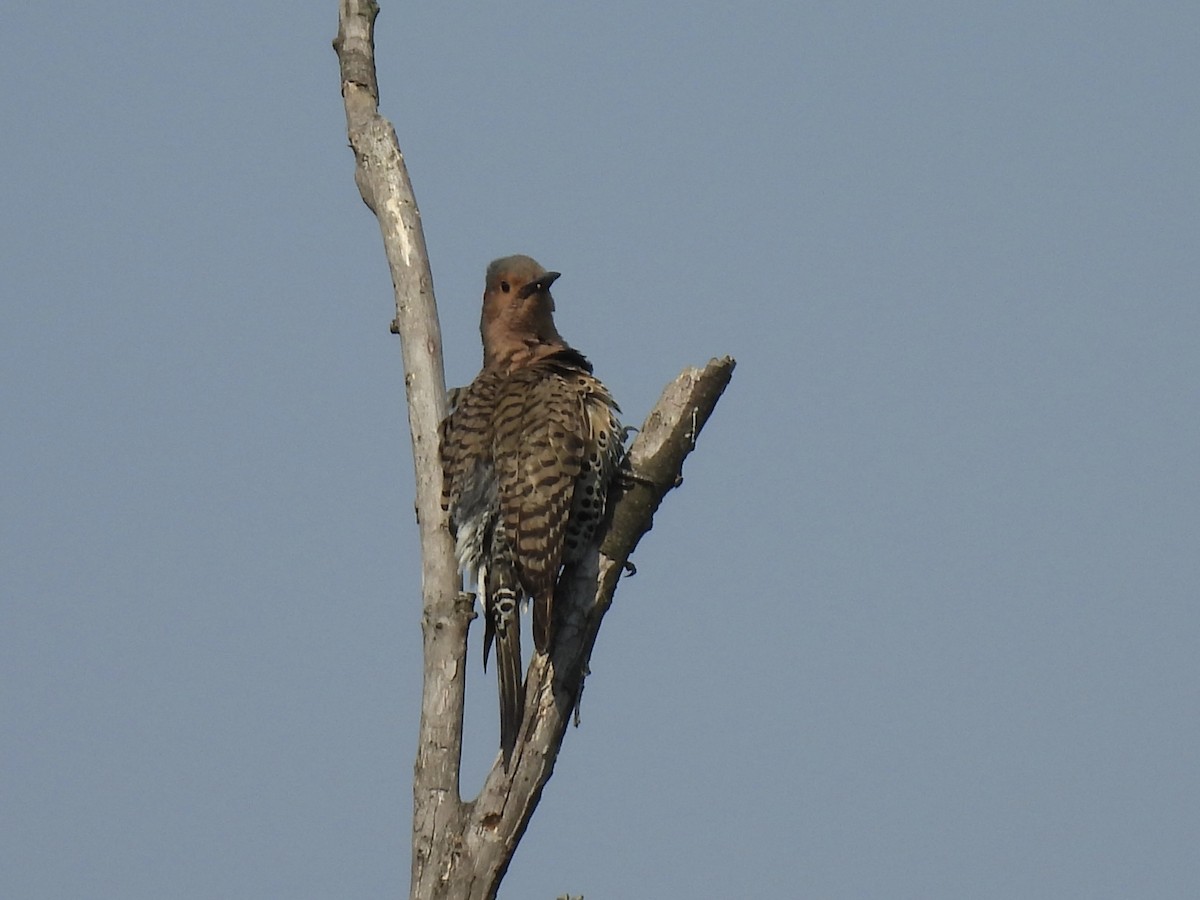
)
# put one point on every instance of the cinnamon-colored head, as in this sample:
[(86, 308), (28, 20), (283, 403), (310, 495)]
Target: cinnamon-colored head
[(517, 324)]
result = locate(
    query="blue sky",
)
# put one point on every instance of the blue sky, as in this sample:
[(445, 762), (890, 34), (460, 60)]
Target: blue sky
[(922, 620)]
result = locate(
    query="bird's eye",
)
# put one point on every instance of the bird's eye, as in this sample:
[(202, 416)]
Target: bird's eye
[(504, 286)]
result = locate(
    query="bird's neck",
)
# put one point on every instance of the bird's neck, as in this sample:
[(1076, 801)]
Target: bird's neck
[(509, 345), (511, 355)]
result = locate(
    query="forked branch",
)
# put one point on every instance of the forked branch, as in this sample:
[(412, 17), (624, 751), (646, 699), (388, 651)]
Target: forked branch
[(462, 849)]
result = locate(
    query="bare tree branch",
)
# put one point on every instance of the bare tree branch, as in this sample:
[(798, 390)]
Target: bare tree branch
[(506, 803), (462, 850), (382, 179)]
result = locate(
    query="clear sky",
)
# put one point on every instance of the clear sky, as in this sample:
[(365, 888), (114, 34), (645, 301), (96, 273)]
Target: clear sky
[(922, 621)]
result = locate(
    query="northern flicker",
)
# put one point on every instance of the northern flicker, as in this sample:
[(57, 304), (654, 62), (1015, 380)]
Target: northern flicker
[(528, 454)]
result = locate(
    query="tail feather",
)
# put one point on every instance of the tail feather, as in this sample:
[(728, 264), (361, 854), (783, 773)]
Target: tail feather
[(505, 626), (542, 610), (489, 635)]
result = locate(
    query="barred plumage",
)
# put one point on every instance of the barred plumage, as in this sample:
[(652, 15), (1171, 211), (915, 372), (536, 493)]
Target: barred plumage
[(528, 454)]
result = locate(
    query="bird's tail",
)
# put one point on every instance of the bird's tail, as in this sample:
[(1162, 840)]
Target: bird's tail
[(504, 626), (543, 607)]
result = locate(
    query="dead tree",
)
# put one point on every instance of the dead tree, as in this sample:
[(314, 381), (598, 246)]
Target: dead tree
[(462, 848)]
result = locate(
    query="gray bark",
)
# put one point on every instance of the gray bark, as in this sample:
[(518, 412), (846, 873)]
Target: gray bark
[(461, 849)]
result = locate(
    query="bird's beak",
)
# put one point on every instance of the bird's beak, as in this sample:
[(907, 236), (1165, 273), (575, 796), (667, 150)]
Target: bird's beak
[(539, 284)]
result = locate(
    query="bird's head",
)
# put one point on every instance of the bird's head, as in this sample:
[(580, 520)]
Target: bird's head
[(518, 313)]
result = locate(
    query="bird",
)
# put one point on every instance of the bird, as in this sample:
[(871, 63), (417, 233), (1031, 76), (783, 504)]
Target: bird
[(529, 452)]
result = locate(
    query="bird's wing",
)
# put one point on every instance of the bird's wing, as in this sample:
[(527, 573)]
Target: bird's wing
[(466, 439), (540, 441)]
